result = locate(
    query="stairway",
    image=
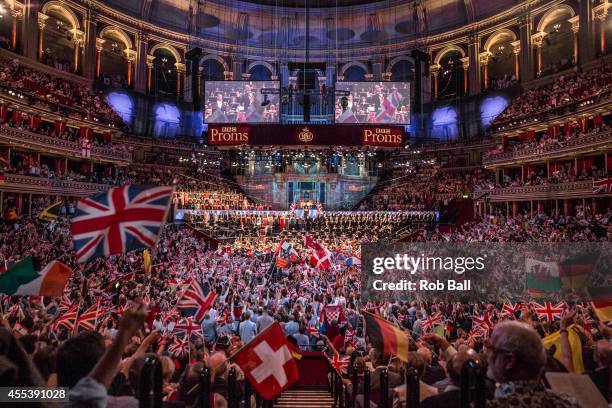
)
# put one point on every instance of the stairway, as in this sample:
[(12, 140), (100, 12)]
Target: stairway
[(304, 399)]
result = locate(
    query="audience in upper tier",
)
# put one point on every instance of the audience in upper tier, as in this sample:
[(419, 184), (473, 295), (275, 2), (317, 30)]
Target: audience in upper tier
[(565, 90), (55, 92)]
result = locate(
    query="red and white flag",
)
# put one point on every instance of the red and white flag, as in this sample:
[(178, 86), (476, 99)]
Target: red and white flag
[(321, 257), (267, 362), (89, 318)]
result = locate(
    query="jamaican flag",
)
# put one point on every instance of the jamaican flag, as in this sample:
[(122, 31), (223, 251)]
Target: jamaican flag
[(50, 213)]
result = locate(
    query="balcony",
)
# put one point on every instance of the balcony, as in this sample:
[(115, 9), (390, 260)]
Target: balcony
[(39, 185), (586, 144), (575, 189), (52, 145)]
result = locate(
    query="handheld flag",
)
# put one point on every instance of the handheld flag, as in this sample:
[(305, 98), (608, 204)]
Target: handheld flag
[(119, 220), (386, 337)]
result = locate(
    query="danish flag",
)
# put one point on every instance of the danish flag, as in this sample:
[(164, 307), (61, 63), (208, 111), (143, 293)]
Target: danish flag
[(340, 364), (431, 321), (67, 320), (484, 321), (88, 319), (119, 220), (267, 362), (321, 258), (548, 311)]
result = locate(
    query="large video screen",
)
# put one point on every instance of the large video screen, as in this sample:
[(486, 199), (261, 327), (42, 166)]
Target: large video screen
[(373, 102), (240, 102)]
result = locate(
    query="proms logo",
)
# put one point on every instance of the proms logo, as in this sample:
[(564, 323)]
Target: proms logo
[(228, 135), (306, 135), (383, 136)]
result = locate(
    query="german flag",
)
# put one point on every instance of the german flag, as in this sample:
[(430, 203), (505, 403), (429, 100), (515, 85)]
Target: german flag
[(386, 337), (601, 299)]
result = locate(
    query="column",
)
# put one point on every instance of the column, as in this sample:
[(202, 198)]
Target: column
[(237, 68), (538, 40), (526, 49), (90, 46), (377, 70), (150, 59), (29, 36), (16, 15), (585, 33), (575, 22), (131, 59), (42, 21), (516, 50), (474, 68), (601, 14), (484, 62), (77, 40), (141, 73), (435, 70), (465, 63), (180, 75), (99, 44)]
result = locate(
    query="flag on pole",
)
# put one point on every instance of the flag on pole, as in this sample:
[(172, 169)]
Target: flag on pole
[(197, 300), (321, 257), (119, 220), (267, 362), (386, 337)]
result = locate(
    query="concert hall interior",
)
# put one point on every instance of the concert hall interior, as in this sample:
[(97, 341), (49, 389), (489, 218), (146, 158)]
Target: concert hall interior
[(306, 203)]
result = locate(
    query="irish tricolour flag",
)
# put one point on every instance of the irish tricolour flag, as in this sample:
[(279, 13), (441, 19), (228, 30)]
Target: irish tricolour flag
[(23, 279)]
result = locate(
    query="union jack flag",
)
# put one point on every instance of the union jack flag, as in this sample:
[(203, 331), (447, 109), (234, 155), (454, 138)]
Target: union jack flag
[(188, 328), (119, 220), (339, 363), (603, 185), (483, 321), (196, 300), (88, 319), (67, 319), (431, 321), (179, 347), (510, 309), (549, 312)]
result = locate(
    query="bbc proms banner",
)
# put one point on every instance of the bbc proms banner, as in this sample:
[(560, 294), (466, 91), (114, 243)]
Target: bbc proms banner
[(306, 135)]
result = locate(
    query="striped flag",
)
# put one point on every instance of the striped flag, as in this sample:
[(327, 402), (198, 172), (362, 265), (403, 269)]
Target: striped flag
[(386, 337)]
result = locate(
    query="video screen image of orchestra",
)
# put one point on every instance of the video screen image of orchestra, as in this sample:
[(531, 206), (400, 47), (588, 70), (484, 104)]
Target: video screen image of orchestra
[(373, 102)]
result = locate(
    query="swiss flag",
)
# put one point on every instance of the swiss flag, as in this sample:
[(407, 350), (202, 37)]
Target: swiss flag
[(267, 362)]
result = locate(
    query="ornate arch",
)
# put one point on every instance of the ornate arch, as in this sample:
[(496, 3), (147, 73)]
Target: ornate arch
[(266, 64), (552, 13), (166, 46), (446, 50), (63, 10), (353, 64), (216, 58), (398, 59), (497, 36), (125, 39)]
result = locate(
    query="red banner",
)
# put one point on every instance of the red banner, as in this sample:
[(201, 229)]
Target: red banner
[(306, 135)]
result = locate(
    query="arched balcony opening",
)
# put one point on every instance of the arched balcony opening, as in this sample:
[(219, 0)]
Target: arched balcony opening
[(260, 73), (115, 68), (451, 77), (354, 73), (503, 60), (559, 48), (61, 40), (402, 71), (6, 25), (164, 73)]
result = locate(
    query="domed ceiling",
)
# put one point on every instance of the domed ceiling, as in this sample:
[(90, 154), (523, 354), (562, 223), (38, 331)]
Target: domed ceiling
[(282, 23)]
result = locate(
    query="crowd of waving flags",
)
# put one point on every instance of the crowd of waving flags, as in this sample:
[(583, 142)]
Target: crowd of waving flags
[(131, 217)]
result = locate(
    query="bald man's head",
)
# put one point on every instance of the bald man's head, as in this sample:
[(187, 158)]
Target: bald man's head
[(217, 363), (455, 364), (516, 353)]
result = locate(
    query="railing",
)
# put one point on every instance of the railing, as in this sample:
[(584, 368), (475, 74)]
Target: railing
[(572, 108), (41, 185), (574, 189), (590, 142), (35, 141)]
